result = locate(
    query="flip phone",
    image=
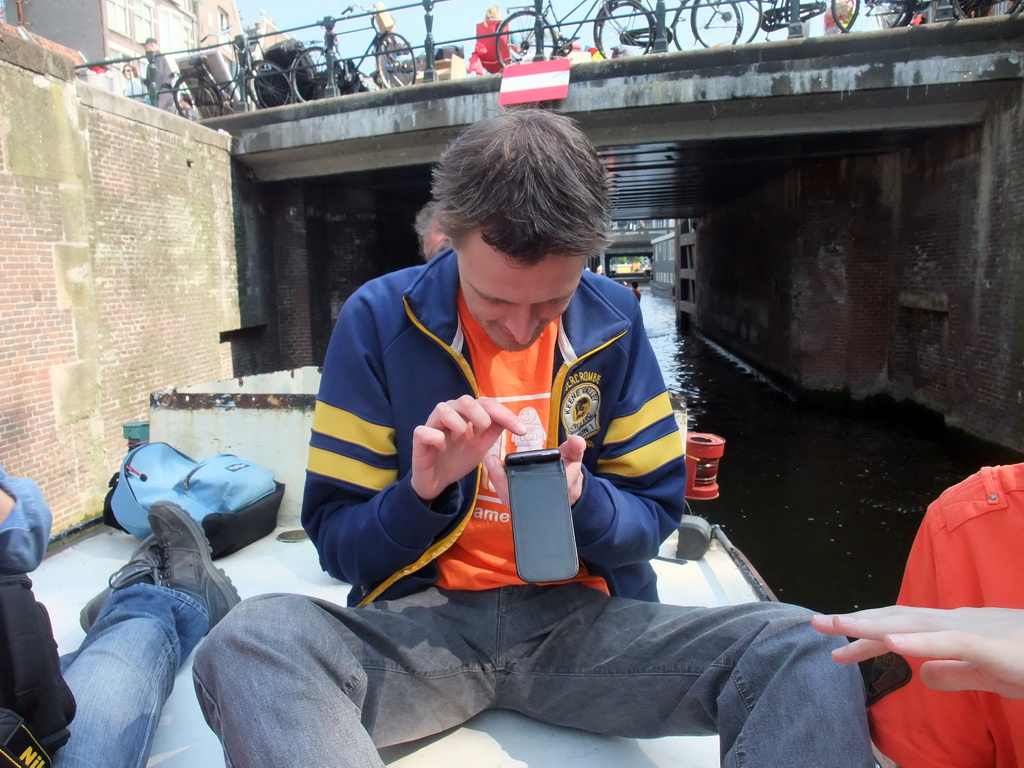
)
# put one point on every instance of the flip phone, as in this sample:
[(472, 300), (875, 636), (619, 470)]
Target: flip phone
[(545, 543)]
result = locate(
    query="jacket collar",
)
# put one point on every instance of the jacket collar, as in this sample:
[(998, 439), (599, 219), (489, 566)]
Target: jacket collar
[(589, 321)]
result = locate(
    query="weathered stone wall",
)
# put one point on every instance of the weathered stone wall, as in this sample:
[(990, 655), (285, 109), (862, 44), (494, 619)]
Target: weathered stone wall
[(118, 271), (898, 275)]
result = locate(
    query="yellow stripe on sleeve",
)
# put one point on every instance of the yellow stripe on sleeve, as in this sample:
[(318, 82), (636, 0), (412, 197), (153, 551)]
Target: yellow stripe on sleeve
[(344, 425), (350, 470), (646, 458), (654, 410)]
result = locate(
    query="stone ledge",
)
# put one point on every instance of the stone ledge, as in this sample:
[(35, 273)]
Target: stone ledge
[(25, 54)]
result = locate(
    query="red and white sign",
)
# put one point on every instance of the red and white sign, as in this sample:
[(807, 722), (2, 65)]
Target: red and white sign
[(535, 81)]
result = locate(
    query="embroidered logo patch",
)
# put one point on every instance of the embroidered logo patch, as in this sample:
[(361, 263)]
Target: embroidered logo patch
[(580, 409)]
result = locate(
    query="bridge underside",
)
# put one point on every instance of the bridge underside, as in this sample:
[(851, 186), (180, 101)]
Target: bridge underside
[(682, 132)]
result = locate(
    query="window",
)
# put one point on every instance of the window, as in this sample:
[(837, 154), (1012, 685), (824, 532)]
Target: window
[(117, 16), (176, 32), (142, 17), (223, 20)]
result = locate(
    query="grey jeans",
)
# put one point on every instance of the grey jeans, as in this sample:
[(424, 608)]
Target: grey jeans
[(291, 680)]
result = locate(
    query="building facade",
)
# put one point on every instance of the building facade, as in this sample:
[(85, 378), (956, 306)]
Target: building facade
[(112, 29)]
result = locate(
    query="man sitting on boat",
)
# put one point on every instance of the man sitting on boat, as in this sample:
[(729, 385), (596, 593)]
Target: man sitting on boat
[(427, 375)]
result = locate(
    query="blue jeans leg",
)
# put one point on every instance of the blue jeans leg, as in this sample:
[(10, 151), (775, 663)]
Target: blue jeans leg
[(124, 671), (756, 674), (331, 683)]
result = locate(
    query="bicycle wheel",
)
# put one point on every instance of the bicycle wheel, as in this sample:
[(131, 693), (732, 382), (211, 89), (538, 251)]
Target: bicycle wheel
[(396, 63), (714, 22), (196, 100), (269, 85), (750, 19), (309, 74), (624, 26), (521, 32), (844, 14), (977, 9)]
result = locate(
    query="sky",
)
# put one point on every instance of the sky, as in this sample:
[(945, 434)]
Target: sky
[(453, 19)]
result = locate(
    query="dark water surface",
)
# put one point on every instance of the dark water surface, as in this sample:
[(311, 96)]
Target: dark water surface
[(825, 502)]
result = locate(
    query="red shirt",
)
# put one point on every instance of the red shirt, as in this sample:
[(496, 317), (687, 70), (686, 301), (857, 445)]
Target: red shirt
[(967, 553)]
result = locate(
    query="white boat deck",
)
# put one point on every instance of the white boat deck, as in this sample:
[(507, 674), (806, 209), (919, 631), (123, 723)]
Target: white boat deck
[(67, 579)]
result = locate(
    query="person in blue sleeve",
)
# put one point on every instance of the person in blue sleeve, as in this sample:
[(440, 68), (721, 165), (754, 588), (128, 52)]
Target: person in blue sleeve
[(433, 375), (138, 631)]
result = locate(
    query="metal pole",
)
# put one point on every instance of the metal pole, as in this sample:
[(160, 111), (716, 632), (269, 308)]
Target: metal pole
[(151, 77), (429, 72), (538, 29), (332, 77), (241, 69), (660, 38), (796, 27)]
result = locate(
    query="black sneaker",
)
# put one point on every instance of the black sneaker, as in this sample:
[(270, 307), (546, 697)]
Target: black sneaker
[(143, 568), (187, 564)]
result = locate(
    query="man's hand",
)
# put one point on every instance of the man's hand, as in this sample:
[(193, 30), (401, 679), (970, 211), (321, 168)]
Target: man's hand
[(979, 649), (572, 457), (457, 435)]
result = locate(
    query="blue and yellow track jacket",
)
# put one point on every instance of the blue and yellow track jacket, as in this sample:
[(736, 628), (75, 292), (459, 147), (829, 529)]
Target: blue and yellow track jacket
[(397, 351)]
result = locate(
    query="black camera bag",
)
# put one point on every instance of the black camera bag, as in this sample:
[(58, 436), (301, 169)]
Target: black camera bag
[(36, 704)]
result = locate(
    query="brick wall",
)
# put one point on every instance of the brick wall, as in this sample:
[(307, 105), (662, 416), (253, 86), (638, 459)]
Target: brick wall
[(897, 275), (118, 271)]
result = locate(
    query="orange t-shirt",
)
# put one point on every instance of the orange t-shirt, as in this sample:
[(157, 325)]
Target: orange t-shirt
[(966, 554), (483, 557)]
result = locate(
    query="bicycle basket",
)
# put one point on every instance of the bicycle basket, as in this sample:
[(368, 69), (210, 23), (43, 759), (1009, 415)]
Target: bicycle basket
[(284, 53)]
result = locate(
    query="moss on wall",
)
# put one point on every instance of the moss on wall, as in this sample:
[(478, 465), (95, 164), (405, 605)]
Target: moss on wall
[(117, 248)]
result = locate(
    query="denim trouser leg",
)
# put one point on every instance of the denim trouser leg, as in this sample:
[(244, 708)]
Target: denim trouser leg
[(329, 683), (124, 671)]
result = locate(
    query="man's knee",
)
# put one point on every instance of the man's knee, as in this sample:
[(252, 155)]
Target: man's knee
[(788, 629), (261, 621)]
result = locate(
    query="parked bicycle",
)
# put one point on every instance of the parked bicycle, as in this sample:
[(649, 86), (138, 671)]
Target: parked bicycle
[(212, 86), (872, 15), (858, 15), (976, 9), (392, 56), (628, 27), (625, 25)]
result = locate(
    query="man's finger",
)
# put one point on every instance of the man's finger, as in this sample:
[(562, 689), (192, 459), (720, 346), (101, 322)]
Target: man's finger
[(502, 416)]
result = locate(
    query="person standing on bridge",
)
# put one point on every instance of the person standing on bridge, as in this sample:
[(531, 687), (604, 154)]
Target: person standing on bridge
[(426, 377), (160, 75)]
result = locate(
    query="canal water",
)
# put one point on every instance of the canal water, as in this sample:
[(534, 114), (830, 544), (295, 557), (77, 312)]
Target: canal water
[(824, 501)]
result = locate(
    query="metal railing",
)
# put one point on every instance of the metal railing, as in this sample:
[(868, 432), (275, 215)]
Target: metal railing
[(260, 80)]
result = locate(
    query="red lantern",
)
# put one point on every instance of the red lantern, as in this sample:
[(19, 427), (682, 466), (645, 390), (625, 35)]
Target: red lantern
[(703, 451)]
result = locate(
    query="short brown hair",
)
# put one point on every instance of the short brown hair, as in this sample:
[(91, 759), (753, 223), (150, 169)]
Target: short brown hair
[(530, 182)]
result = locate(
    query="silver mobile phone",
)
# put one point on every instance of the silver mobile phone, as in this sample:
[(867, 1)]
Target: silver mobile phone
[(545, 543)]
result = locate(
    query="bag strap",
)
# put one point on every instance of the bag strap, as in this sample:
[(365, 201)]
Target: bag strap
[(18, 747)]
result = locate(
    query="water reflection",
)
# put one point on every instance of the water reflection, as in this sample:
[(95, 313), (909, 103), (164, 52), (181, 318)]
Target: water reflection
[(824, 501)]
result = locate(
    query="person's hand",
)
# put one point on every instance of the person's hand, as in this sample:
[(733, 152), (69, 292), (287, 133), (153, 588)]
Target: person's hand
[(457, 435), (979, 649), (572, 457)]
